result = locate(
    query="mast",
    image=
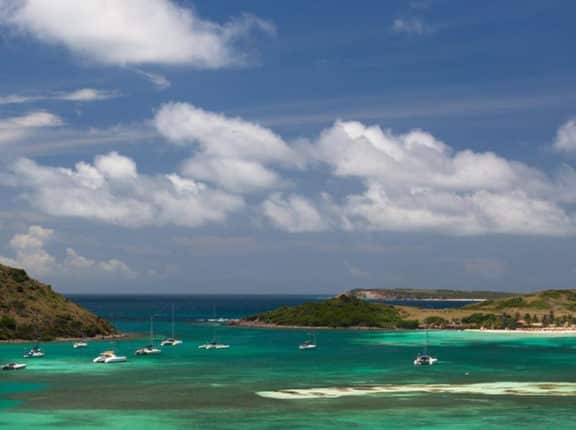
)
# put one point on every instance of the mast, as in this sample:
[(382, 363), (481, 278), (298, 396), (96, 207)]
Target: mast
[(152, 330), (426, 344)]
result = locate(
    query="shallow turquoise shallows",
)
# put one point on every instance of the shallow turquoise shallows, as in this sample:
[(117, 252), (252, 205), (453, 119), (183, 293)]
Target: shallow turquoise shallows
[(354, 380)]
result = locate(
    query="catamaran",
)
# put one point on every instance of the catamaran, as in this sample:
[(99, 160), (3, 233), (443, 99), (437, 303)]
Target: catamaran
[(425, 359), (149, 349), (80, 344), (214, 344), (309, 343), (171, 341), (13, 366)]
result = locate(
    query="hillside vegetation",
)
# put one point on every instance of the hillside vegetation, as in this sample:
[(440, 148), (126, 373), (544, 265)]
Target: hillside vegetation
[(342, 311), (28, 306), (543, 309)]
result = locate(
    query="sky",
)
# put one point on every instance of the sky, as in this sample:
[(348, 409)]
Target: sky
[(218, 146)]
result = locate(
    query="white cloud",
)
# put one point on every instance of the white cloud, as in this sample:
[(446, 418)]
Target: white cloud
[(413, 182), (30, 254), (161, 82), (566, 137), (412, 25), (132, 32), (79, 95), (19, 127), (112, 191), (232, 153), (293, 213)]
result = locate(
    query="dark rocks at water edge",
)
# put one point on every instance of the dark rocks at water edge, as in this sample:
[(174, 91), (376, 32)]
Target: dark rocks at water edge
[(30, 309)]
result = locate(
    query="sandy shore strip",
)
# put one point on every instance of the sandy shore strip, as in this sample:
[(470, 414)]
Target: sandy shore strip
[(544, 332)]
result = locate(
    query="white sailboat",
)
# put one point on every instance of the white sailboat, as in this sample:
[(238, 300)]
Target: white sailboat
[(424, 358), (214, 344), (35, 351), (149, 349), (80, 344), (309, 343), (171, 341)]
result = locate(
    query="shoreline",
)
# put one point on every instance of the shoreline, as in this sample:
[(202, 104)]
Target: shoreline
[(550, 331), (72, 339), (247, 324)]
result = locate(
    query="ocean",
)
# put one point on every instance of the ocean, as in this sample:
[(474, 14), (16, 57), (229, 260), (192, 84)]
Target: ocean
[(353, 380)]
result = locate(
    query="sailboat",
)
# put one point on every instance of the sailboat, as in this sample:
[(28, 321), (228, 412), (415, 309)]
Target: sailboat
[(35, 351), (171, 341), (110, 357), (214, 344), (425, 359), (81, 343), (149, 349), (13, 366), (309, 343)]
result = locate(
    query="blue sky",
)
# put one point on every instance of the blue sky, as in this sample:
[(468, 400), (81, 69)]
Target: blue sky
[(156, 146)]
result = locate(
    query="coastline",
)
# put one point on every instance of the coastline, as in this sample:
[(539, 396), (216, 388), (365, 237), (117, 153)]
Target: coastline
[(251, 324), (72, 339)]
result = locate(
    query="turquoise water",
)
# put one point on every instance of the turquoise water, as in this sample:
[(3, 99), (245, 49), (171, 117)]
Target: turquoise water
[(362, 380)]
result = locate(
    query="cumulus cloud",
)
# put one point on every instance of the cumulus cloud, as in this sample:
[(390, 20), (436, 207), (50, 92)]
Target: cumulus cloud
[(112, 190), (231, 152), (412, 25), (30, 254), (413, 182), (79, 95), (293, 213), (566, 137), (133, 32), (19, 127)]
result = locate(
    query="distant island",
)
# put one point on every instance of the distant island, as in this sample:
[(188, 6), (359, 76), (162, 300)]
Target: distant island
[(423, 294), (550, 309), (29, 308)]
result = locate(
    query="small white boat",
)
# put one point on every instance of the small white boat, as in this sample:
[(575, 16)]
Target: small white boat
[(214, 345), (147, 350), (172, 341), (109, 357), (80, 344), (34, 352), (309, 343), (425, 359), (13, 366)]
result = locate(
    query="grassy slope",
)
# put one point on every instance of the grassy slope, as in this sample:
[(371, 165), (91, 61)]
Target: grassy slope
[(24, 301)]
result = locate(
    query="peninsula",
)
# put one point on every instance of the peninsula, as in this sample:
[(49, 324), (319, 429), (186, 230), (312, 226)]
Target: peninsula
[(30, 309), (550, 309), (406, 294)]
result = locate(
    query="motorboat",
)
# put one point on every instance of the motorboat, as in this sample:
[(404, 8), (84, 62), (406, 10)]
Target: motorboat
[(213, 344), (309, 343), (80, 344), (13, 366), (172, 341), (34, 352), (109, 357)]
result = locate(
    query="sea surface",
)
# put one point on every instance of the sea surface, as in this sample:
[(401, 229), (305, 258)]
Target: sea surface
[(354, 380)]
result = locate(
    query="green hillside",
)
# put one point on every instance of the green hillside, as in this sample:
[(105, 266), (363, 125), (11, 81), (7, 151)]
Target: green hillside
[(27, 306)]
